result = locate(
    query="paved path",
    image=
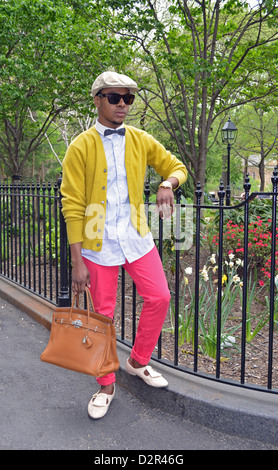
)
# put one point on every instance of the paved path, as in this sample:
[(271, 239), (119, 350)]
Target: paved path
[(45, 407)]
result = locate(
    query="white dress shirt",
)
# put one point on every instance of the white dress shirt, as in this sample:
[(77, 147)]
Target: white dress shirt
[(121, 241)]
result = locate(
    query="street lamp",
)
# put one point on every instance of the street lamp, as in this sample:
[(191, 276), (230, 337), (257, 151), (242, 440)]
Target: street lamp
[(229, 134)]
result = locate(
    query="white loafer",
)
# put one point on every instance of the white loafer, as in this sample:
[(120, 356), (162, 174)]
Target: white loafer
[(99, 404), (154, 378)]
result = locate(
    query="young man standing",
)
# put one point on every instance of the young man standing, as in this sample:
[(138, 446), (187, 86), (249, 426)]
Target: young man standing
[(102, 188)]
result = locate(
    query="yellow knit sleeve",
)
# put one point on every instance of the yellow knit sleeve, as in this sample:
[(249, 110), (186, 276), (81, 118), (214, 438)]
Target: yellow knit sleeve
[(164, 162), (73, 193)]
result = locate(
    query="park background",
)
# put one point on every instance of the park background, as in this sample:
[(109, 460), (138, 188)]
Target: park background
[(197, 64)]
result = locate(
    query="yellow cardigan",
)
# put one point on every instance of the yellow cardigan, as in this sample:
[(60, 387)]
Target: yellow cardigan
[(84, 182)]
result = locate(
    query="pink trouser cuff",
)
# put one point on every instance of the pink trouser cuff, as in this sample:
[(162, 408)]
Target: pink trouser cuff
[(107, 379), (142, 360)]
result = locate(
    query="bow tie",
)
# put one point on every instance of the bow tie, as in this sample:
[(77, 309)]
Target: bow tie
[(115, 131)]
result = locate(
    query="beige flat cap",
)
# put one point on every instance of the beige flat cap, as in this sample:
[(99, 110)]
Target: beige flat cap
[(111, 80)]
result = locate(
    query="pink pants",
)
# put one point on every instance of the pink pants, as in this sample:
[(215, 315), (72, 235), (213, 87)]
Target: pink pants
[(151, 285)]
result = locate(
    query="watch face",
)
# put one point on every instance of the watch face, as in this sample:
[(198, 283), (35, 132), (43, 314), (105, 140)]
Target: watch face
[(166, 184)]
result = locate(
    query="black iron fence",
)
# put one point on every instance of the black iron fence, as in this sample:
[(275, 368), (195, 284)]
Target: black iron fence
[(220, 262), (30, 237)]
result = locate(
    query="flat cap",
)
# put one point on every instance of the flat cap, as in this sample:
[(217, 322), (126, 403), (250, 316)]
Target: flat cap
[(111, 80)]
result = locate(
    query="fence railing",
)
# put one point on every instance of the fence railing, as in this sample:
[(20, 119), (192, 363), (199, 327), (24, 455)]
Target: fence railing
[(29, 234), (219, 260)]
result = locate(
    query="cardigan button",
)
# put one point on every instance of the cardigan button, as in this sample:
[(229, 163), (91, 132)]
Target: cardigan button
[(103, 187), (98, 244), (105, 170)]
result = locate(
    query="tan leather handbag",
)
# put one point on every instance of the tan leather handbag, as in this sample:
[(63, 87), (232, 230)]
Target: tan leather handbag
[(82, 340)]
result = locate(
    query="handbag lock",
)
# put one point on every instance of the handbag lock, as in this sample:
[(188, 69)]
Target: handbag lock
[(77, 323)]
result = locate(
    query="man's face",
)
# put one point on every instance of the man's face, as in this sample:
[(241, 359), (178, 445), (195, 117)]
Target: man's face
[(111, 115)]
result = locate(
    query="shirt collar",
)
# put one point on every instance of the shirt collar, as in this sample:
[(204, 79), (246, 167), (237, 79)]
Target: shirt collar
[(100, 128)]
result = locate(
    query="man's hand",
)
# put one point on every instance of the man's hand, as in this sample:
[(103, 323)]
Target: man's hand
[(80, 278), (165, 199), (165, 202), (80, 274)]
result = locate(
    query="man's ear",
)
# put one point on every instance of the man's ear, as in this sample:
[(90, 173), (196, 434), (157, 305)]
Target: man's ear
[(97, 101)]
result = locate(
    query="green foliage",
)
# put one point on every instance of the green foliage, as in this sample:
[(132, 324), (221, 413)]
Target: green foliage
[(200, 62), (192, 64), (49, 57)]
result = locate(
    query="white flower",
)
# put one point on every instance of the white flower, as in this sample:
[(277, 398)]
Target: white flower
[(238, 261), (213, 259), (188, 270), (228, 341), (204, 273), (214, 269), (231, 264), (236, 278), (276, 281), (231, 256)]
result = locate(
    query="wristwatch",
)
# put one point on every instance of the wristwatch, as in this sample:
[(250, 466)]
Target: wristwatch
[(166, 185)]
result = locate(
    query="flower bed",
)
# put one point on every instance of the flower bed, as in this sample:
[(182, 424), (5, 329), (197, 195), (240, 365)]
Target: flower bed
[(259, 244)]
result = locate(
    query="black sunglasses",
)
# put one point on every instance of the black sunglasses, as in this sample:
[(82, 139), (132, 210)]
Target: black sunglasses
[(115, 98)]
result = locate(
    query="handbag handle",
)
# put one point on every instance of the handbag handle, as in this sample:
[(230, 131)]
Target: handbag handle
[(75, 298)]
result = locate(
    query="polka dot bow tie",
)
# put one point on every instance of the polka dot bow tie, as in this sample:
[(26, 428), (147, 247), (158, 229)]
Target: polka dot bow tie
[(115, 131)]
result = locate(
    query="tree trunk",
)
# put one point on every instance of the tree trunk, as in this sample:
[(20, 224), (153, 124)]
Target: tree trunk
[(262, 175)]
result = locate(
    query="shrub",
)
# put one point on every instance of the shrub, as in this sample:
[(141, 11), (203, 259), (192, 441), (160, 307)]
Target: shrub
[(259, 243)]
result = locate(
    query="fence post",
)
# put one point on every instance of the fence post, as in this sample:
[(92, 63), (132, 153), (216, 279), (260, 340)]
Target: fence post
[(247, 187), (198, 194), (221, 195), (274, 180), (63, 296), (177, 272)]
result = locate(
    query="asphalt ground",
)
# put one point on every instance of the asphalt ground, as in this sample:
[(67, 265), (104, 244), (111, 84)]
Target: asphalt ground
[(44, 407)]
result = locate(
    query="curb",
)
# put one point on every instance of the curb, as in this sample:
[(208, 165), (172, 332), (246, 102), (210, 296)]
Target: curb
[(229, 409)]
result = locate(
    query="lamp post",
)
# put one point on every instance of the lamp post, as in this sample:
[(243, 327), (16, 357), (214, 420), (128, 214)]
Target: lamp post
[(229, 134)]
